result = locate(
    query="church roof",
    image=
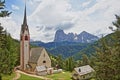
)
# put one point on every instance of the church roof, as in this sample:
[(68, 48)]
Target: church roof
[(25, 17), (84, 70), (24, 25), (35, 54)]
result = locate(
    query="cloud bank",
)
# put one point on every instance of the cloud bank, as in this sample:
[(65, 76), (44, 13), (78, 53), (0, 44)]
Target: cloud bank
[(47, 16)]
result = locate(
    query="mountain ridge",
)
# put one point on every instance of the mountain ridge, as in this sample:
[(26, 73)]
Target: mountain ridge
[(83, 37)]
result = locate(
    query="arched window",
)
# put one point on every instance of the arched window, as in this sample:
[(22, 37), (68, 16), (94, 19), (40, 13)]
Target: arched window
[(44, 61), (26, 37)]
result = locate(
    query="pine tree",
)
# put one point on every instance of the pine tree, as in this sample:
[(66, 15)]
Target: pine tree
[(5, 59), (107, 58), (69, 64), (3, 13), (85, 60), (117, 48), (8, 53)]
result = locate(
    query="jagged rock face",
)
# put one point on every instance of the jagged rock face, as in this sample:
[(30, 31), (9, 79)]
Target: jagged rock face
[(60, 36), (86, 37), (70, 37), (83, 37)]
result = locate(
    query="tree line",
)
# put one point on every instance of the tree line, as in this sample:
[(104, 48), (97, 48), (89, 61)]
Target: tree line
[(8, 47), (106, 60)]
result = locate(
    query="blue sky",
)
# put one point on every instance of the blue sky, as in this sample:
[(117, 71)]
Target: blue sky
[(46, 16)]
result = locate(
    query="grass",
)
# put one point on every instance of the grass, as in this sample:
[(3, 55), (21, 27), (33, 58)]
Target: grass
[(8, 77), (60, 76), (25, 77)]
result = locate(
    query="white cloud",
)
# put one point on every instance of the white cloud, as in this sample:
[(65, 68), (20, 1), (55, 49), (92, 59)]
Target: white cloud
[(48, 14), (11, 26), (93, 19), (51, 12), (14, 7), (86, 3)]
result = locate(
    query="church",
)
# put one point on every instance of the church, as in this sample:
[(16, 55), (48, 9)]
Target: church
[(34, 59)]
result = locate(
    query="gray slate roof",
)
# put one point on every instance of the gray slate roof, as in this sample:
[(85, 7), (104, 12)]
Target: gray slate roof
[(35, 54), (41, 68), (84, 70)]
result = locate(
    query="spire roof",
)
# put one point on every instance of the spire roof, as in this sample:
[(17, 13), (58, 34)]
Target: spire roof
[(25, 17), (24, 25)]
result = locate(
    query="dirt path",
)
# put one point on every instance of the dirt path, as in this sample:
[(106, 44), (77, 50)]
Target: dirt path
[(18, 72), (17, 76)]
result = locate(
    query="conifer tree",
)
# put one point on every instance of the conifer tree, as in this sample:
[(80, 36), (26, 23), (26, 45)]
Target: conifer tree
[(107, 58), (85, 60), (7, 52), (3, 13), (69, 64)]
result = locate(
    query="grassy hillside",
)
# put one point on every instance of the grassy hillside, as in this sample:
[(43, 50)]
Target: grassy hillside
[(8, 77), (60, 76), (25, 77)]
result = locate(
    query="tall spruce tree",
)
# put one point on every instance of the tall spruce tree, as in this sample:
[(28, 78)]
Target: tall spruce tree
[(107, 58), (8, 51), (69, 64), (85, 60), (117, 48)]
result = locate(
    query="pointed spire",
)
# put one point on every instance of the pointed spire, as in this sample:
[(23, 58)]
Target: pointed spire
[(25, 16), (24, 25)]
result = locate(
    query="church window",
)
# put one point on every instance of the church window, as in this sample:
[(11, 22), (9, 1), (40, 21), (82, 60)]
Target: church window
[(26, 37), (44, 61)]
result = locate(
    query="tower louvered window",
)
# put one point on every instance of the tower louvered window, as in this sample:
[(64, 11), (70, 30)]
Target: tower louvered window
[(26, 37)]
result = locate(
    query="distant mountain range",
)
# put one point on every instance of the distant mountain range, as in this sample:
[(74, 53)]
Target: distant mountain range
[(68, 44), (83, 37), (75, 49)]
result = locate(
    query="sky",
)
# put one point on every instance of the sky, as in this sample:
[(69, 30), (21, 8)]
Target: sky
[(44, 17)]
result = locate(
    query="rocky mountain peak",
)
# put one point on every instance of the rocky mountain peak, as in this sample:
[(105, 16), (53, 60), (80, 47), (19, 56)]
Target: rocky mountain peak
[(83, 37)]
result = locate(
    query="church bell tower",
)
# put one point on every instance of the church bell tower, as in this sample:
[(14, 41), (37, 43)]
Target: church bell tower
[(24, 43)]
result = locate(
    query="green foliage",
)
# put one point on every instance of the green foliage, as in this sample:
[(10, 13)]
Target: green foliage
[(3, 13), (68, 50), (8, 52), (88, 50), (85, 60), (60, 76), (8, 77), (58, 62), (69, 64), (25, 77), (117, 22), (65, 49), (107, 58), (8, 49)]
